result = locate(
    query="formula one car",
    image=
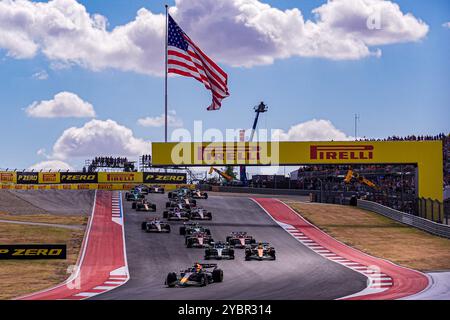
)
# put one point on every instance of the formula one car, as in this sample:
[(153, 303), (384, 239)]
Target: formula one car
[(197, 194), (198, 240), (155, 225), (219, 250), (240, 239), (156, 189), (189, 228), (198, 275), (260, 251), (133, 195), (177, 214), (200, 214), (143, 205)]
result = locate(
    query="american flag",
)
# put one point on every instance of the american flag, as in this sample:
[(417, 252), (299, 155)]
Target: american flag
[(186, 59)]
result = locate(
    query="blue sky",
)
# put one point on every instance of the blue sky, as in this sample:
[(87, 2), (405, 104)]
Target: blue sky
[(405, 91)]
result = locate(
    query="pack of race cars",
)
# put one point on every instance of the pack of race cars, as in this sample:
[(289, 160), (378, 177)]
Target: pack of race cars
[(182, 206)]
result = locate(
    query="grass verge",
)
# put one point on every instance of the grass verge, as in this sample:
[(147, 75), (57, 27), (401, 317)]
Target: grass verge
[(21, 277), (378, 236)]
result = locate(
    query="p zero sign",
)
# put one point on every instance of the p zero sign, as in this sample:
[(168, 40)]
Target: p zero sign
[(77, 177), (164, 177)]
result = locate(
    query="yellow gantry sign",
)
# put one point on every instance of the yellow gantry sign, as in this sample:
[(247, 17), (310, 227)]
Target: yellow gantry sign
[(427, 155)]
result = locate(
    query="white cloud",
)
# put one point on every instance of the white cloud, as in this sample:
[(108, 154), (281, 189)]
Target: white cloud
[(53, 165), (99, 137), (312, 130), (63, 105), (172, 120), (40, 75), (234, 32), (446, 25)]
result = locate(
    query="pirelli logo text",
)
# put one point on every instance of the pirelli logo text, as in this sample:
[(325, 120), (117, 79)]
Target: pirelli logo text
[(33, 251), (342, 152), (49, 177), (74, 177)]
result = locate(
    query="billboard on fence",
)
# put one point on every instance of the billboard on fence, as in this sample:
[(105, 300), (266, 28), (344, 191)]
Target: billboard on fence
[(77, 177), (165, 177), (426, 154), (49, 177), (8, 177), (27, 178), (120, 177)]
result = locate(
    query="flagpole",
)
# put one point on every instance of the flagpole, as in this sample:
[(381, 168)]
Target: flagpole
[(165, 82)]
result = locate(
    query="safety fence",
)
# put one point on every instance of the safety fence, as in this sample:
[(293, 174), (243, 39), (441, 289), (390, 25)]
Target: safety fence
[(432, 227)]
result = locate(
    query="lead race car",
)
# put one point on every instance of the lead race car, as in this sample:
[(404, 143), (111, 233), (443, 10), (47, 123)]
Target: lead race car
[(240, 239), (200, 214), (260, 251), (189, 228), (219, 250), (198, 275), (143, 205), (155, 225)]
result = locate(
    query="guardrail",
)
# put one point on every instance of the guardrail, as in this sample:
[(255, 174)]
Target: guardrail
[(405, 218)]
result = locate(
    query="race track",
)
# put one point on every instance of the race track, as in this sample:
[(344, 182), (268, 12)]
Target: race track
[(298, 273)]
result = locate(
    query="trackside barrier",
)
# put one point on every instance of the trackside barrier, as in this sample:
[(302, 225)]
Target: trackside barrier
[(438, 229)]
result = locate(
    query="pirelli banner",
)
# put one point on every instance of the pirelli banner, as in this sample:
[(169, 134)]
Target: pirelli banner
[(8, 177), (427, 155), (164, 177), (120, 177)]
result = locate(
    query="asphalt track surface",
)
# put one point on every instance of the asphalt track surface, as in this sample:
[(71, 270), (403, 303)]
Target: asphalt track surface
[(298, 272)]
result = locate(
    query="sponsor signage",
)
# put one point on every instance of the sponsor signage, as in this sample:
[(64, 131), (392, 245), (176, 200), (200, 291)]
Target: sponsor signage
[(164, 177), (77, 177), (33, 251), (427, 155), (27, 178), (341, 152), (120, 177)]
